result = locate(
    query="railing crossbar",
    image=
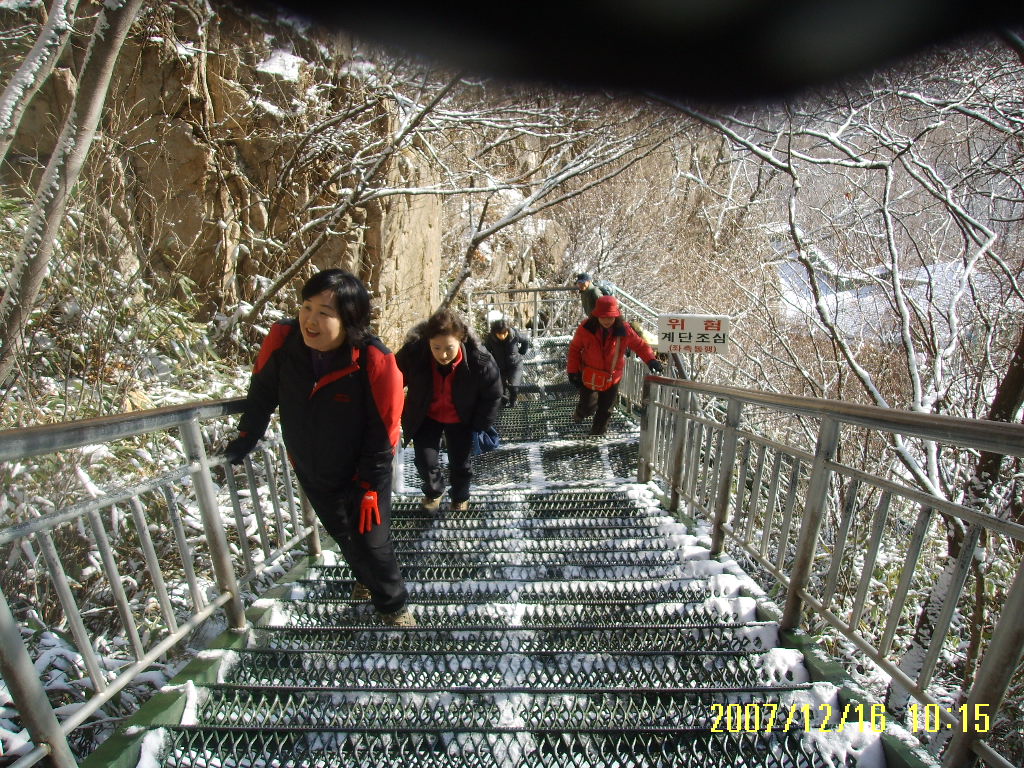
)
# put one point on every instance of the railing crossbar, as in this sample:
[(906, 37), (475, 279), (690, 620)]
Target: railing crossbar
[(72, 614), (113, 574), (755, 492), (129, 673), (257, 506), (153, 564), (916, 545), (81, 509), (839, 545), (789, 513), (945, 506), (867, 572), (184, 549), (770, 505)]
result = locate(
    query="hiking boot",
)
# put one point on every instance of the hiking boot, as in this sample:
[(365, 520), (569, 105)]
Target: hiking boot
[(430, 504), (460, 506), (400, 618), (360, 592)]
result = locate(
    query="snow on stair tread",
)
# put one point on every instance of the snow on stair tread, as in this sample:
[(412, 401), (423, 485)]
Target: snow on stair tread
[(754, 636), (715, 610), (628, 670), (226, 705)]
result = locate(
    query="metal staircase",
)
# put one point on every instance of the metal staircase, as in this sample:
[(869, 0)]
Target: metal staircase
[(586, 610), (565, 619)]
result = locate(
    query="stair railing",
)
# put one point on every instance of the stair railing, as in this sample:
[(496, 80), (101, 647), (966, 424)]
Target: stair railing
[(546, 312), (220, 536), (862, 553), (549, 311)]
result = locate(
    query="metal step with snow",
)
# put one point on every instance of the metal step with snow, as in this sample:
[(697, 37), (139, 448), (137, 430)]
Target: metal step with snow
[(559, 624)]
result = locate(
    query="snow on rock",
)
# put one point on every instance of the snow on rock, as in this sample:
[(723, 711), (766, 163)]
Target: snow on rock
[(360, 70), (329, 558), (760, 635), (725, 585), (283, 64)]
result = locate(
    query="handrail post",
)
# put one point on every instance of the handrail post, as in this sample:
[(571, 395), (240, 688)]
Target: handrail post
[(536, 312), (678, 450), (29, 697), (994, 674), (814, 513), (309, 519), (727, 460), (643, 469), (206, 495)]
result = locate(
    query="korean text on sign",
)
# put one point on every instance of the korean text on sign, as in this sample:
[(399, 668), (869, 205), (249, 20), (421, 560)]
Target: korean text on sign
[(704, 334)]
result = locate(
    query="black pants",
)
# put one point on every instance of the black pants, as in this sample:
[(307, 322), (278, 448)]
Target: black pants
[(597, 404), (427, 451), (509, 392), (371, 556), (511, 379)]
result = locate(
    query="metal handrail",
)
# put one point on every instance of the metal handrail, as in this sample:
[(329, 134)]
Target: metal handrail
[(17, 444), (279, 530), (792, 513)]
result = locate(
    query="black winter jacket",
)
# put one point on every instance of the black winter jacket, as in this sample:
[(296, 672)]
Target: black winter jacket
[(476, 390), (339, 429), (508, 354)]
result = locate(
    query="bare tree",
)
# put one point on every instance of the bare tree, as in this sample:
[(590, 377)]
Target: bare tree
[(34, 69), (76, 137), (366, 172), (581, 144), (895, 274)]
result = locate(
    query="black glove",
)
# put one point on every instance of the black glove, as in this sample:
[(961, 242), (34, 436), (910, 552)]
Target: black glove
[(239, 448), (656, 367), (576, 379)]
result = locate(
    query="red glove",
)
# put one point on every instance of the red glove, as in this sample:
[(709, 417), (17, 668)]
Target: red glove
[(369, 512)]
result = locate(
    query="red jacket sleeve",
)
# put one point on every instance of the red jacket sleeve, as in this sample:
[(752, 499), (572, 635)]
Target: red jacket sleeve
[(575, 361), (383, 429), (261, 399), (387, 385)]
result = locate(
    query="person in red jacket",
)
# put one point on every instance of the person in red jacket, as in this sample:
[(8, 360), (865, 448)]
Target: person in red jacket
[(340, 397), (597, 358)]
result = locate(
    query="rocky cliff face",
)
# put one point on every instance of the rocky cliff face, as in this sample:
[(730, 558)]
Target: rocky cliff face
[(200, 168)]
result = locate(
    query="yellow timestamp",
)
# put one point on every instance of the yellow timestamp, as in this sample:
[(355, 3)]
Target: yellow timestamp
[(766, 717), (929, 718)]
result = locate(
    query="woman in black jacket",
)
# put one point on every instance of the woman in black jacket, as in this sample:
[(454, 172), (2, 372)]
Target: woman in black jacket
[(453, 390), (340, 396), (508, 347)]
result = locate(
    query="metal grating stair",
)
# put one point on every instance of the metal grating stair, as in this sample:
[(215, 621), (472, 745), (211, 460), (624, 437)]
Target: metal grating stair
[(564, 620)]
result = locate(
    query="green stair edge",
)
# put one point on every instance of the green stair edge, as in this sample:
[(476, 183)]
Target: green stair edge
[(123, 748), (821, 668)]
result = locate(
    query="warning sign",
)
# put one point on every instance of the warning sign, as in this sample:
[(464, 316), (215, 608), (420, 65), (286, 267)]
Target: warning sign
[(707, 334)]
